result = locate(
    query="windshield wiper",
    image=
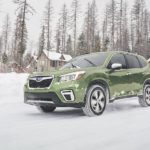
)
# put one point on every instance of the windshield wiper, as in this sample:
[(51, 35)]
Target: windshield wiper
[(90, 62), (75, 66)]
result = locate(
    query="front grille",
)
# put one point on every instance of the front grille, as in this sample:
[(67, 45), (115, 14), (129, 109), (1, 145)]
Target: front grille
[(40, 82)]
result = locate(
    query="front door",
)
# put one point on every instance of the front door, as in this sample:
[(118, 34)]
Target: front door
[(118, 79)]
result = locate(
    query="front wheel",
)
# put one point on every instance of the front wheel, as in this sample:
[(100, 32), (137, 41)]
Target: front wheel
[(95, 101), (46, 109), (145, 100)]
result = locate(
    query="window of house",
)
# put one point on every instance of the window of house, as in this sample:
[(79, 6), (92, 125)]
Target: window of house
[(54, 64)]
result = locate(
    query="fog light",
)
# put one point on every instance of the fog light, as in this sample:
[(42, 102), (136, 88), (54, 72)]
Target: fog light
[(68, 95)]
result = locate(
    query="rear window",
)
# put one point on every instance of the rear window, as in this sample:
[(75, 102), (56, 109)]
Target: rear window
[(142, 62), (132, 62)]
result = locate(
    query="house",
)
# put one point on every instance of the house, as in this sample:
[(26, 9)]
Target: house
[(48, 60)]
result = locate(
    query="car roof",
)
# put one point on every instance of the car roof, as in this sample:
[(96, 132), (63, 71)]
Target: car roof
[(111, 53), (118, 52)]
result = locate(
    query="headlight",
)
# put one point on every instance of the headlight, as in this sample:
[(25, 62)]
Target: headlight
[(72, 76)]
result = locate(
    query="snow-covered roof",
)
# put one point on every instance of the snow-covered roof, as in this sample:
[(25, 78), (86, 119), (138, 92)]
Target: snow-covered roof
[(56, 56), (67, 57)]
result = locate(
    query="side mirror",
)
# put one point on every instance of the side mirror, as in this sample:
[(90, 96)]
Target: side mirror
[(116, 66)]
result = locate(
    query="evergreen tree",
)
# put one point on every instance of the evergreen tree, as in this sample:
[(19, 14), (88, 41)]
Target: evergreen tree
[(82, 45), (4, 58), (106, 44), (1, 47), (69, 49), (97, 43), (19, 43)]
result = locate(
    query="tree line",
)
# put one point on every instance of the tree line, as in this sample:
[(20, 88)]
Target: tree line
[(121, 29)]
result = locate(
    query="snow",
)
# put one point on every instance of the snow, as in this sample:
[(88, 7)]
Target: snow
[(123, 126), (56, 56), (67, 57)]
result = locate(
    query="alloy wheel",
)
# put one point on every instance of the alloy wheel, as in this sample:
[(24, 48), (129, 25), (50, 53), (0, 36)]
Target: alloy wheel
[(97, 101), (147, 95)]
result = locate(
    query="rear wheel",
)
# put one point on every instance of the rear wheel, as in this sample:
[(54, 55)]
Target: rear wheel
[(46, 109), (145, 100), (95, 101)]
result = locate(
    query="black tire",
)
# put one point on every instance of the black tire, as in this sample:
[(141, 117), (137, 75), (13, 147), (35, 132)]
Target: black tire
[(46, 109), (145, 99), (96, 100)]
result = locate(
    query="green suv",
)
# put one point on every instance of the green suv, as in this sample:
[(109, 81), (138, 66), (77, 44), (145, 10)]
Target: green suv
[(91, 82)]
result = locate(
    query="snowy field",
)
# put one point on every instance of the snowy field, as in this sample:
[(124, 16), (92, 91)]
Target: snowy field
[(123, 126)]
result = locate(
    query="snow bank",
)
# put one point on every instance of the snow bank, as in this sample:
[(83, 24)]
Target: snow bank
[(11, 86)]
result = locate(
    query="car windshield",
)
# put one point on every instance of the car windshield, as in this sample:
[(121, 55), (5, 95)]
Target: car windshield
[(85, 61)]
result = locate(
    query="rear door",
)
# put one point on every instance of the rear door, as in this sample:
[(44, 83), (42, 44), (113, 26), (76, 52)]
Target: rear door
[(135, 74)]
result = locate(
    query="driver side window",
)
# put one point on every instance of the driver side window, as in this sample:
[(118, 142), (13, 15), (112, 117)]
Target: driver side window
[(118, 58)]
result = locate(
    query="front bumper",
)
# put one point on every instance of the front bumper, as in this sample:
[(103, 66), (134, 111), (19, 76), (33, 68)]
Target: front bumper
[(49, 98)]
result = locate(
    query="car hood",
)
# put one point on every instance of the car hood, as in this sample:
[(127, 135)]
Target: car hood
[(55, 73), (58, 73)]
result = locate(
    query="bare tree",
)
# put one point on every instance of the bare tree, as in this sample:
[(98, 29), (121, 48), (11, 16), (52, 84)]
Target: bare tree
[(6, 33), (25, 8), (90, 26), (139, 27), (105, 34), (58, 37), (87, 28), (41, 41), (63, 27), (48, 26), (112, 23), (94, 22), (75, 13), (125, 43)]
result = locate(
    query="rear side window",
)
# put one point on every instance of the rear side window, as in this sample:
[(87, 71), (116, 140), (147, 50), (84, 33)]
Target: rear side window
[(132, 62), (142, 62), (118, 58)]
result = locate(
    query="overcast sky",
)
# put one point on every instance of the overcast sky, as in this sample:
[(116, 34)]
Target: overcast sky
[(7, 6)]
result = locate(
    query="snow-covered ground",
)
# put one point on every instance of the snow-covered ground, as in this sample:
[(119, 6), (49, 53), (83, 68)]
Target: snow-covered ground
[(123, 126)]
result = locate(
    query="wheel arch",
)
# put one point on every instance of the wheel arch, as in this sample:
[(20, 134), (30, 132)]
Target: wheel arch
[(102, 83), (147, 81)]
